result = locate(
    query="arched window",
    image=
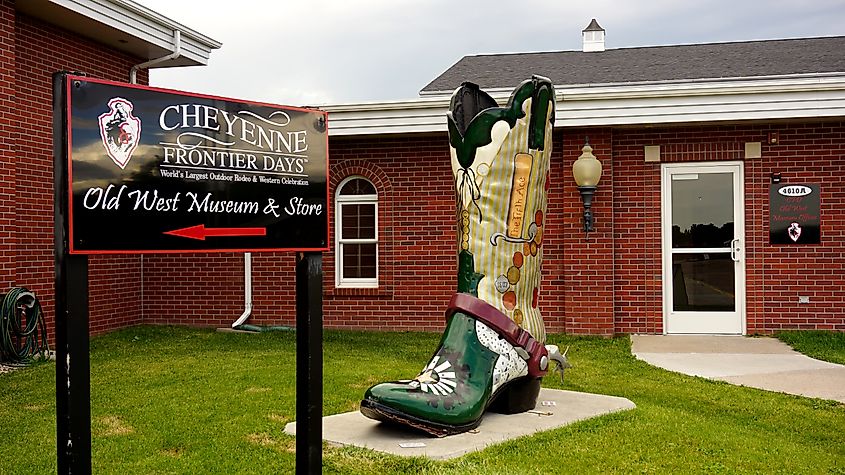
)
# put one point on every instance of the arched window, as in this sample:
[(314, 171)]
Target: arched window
[(356, 233)]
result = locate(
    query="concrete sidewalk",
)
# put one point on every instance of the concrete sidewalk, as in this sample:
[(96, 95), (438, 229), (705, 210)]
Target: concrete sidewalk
[(764, 363)]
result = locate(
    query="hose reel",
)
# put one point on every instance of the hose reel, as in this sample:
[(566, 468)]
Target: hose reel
[(23, 333)]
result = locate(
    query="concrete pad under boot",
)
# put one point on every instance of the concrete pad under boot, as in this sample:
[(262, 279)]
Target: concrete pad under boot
[(561, 408)]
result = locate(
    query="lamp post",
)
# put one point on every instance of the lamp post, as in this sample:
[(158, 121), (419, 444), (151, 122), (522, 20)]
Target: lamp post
[(587, 173)]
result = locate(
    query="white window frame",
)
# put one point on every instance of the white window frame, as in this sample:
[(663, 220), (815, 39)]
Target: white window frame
[(340, 200)]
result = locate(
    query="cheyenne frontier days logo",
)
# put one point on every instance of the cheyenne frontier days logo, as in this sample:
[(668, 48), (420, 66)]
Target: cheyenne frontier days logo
[(212, 145), (209, 139), (120, 131)]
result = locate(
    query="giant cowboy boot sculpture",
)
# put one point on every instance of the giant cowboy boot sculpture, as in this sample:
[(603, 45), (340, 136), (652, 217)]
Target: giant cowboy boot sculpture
[(491, 355)]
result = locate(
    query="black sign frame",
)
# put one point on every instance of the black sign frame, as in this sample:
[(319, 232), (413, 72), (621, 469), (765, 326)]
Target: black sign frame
[(133, 176)]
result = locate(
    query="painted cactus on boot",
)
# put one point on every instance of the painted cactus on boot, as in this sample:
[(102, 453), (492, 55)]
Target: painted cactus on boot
[(491, 355)]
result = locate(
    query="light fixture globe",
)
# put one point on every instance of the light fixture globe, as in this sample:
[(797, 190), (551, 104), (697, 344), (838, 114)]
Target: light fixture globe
[(587, 173), (587, 169)]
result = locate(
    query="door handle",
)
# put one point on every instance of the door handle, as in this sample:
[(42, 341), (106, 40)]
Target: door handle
[(734, 250)]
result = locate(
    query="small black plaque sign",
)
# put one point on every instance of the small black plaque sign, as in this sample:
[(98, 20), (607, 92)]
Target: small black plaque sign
[(154, 170), (794, 214)]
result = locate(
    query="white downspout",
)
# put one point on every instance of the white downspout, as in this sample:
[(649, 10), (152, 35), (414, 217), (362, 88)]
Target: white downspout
[(177, 50), (247, 290)]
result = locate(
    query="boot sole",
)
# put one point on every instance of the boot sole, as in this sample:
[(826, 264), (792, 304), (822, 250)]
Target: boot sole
[(518, 396), (383, 413)]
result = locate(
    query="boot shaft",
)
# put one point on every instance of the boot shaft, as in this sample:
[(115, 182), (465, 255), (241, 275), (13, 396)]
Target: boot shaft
[(500, 161)]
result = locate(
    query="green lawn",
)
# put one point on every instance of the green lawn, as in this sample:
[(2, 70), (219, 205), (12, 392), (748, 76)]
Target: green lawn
[(823, 345), (176, 400)]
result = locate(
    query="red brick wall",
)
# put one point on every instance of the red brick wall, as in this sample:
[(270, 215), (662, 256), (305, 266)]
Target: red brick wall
[(417, 274), (417, 258), (8, 136), (609, 282), (636, 216), (416, 265), (588, 258), (637, 212), (199, 289), (273, 281), (807, 153), (33, 54), (558, 220), (775, 274)]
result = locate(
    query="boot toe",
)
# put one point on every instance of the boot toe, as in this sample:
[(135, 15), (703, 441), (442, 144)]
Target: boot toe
[(403, 398)]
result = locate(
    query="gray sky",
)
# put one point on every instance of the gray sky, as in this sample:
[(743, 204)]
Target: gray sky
[(337, 51)]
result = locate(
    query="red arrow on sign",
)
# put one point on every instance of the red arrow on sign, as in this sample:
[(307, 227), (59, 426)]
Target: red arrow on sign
[(200, 232)]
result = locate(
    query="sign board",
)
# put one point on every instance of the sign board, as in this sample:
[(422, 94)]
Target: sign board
[(794, 214), (139, 169), (155, 171)]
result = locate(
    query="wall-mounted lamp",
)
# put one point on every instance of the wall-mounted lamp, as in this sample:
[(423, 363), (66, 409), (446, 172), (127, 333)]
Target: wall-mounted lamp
[(587, 173)]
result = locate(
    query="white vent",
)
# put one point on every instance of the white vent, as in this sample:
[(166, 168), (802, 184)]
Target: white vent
[(593, 37)]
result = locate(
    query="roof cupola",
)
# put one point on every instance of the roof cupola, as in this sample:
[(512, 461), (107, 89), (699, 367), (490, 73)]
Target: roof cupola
[(593, 37)]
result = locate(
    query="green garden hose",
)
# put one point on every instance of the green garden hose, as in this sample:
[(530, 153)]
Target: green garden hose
[(19, 342)]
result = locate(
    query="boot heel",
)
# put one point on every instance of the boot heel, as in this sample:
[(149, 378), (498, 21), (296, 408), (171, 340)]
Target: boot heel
[(518, 396)]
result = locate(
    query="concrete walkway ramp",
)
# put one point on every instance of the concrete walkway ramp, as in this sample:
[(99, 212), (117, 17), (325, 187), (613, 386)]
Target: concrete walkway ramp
[(763, 363)]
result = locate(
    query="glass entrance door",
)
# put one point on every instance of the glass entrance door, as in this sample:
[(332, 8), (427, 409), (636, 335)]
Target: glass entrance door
[(703, 242)]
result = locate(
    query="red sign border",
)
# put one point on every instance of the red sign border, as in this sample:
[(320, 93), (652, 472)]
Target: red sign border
[(71, 249)]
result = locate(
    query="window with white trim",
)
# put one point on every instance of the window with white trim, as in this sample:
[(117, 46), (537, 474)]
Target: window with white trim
[(356, 233)]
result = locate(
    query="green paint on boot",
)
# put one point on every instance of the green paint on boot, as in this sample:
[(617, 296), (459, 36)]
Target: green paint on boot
[(468, 279), (478, 131), (453, 389)]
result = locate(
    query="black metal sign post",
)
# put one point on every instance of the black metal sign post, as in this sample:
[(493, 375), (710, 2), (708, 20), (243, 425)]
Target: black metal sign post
[(309, 362), (145, 170), (73, 382)]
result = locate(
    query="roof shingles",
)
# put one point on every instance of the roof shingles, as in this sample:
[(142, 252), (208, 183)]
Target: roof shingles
[(650, 64)]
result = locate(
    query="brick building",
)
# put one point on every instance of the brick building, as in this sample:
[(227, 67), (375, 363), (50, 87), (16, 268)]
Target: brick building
[(692, 140), (699, 129), (100, 38)]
